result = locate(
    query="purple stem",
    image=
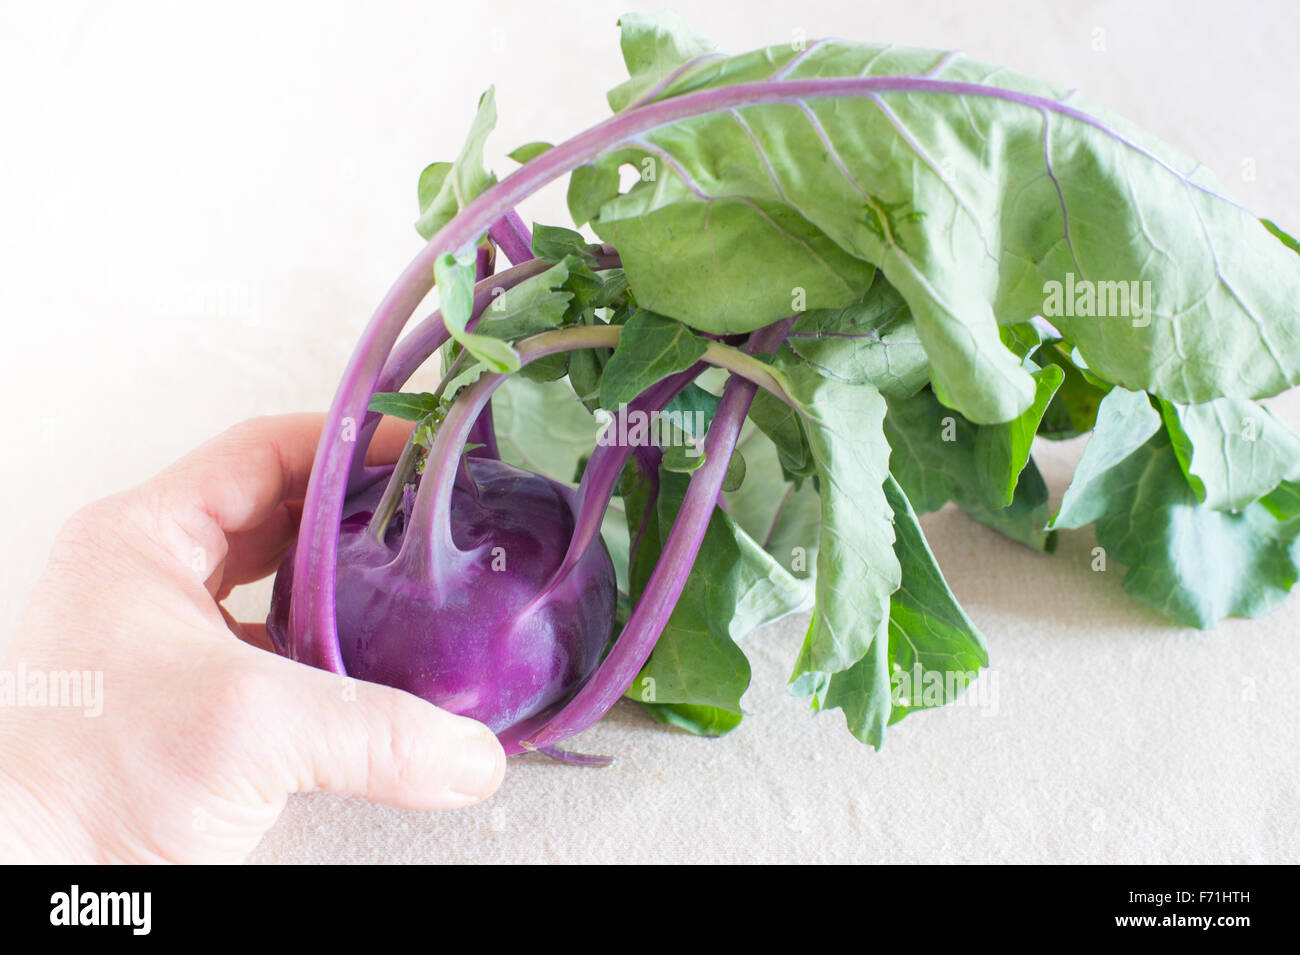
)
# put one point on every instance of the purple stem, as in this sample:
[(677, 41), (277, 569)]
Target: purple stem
[(601, 474), (633, 647), (313, 631), (483, 433), (511, 236)]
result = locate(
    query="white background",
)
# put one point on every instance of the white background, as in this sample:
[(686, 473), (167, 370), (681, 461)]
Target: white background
[(200, 205)]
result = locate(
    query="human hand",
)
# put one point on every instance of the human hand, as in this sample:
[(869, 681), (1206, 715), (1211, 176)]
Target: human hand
[(203, 732)]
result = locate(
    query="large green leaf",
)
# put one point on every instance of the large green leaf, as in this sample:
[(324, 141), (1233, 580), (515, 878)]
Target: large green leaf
[(933, 649), (973, 189), (1232, 452)]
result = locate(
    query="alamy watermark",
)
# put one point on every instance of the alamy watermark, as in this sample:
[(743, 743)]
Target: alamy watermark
[(919, 687), (71, 689), (1083, 298), (629, 428)]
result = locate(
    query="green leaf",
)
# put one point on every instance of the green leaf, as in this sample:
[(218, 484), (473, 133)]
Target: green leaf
[(534, 305), (1192, 563), (446, 188), (934, 650), (1281, 236), (1025, 519), (527, 151), (1073, 409), (554, 243), (652, 348), (938, 456), (455, 280), (734, 587), (1232, 452), (585, 370), (856, 566), (982, 195), (547, 368), (407, 406), (682, 460), (1284, 502), (871, 342), (694, 408), (654, 46), (783, 426), (1125, 422), (1002, 451), (700, 720)]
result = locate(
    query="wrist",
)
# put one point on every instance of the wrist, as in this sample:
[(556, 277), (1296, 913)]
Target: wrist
[(33, 826)]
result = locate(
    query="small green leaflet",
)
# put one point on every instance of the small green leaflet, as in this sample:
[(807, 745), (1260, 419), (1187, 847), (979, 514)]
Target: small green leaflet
[(1073, 409), (933, 649), (783, 426), (652, 348), (554, 243), (455, 280), (700, 720), (408, 407), (527, 151), (1232, 451), (654, 46), (445, 188)]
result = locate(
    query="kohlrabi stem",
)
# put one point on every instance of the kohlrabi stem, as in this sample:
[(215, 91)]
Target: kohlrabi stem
[(483, 433), (511, 236), (601, 474), (633, 647), (392, 496)]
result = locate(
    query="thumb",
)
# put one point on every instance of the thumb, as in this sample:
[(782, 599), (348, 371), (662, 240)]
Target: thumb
[(347, 736)]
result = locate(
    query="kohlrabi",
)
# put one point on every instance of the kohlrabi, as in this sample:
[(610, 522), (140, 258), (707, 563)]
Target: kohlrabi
[(845, 285)]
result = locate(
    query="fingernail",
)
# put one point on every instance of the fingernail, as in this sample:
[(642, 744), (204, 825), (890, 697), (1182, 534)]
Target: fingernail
[(483, 764)]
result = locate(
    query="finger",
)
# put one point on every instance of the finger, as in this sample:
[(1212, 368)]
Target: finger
[(368, 740), (237, 482)]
